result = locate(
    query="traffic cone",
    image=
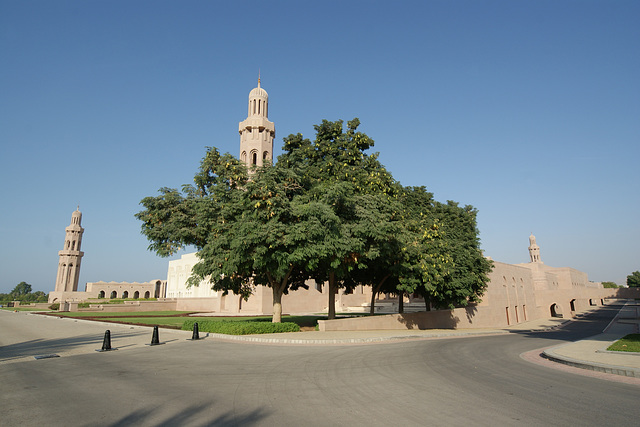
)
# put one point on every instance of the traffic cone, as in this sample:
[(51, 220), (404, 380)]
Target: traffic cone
[(196, 333)]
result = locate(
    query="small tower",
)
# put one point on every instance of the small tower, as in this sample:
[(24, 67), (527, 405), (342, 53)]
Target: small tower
[(534, 250), (70, 256), (256, 131)]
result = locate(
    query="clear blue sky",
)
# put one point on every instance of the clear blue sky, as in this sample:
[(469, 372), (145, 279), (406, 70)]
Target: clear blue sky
[(529, 111)]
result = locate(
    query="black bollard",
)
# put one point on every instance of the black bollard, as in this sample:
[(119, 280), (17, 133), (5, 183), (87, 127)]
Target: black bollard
[(196, 333), (155, 338), (106, 343)]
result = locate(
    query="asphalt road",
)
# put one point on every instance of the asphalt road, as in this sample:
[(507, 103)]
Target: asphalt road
[(475, 380)]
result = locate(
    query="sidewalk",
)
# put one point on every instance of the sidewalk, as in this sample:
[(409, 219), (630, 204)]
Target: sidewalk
[(592, 354)]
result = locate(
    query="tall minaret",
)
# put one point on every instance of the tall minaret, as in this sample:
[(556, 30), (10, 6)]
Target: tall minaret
[(257, 132), (70, 256), (534, 250)]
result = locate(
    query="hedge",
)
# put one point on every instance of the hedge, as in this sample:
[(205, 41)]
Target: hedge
[(240, 327)]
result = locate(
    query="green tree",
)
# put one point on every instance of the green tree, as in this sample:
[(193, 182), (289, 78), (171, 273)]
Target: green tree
[(633, 280), (342, 178), (22, 289), (265, 239), (23, 292), (467, 279), (609, 285), (441, 259), (425, 259), (326, 210), (247, 232), (379, 225)]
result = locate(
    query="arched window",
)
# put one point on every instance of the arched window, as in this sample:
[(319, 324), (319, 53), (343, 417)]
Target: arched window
[(136, 294), (243, 157), (254, 158), (265, 155), (125, 294), (114, 294), (101, 294), (146, 295)]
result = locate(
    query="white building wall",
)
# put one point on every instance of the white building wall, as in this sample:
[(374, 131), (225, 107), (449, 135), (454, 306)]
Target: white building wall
[(177, 276)]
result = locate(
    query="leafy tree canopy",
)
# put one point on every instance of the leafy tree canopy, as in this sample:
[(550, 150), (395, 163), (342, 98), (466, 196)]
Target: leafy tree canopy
[(609, 285), (325, 210), (21, 289), (633, 280), (23, 292)]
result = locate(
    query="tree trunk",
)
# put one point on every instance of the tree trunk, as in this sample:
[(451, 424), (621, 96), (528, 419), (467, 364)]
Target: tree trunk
[(332, 295), (277, 304), (401, 302), (427, 304), (277, 288), (374, 292)]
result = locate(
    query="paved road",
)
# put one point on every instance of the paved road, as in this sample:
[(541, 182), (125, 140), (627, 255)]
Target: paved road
[(479, 380)]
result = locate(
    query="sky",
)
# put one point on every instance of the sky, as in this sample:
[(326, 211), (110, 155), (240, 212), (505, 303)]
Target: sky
[(527, 110)]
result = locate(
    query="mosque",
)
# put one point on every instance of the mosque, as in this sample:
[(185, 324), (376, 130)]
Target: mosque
[(516, 292)]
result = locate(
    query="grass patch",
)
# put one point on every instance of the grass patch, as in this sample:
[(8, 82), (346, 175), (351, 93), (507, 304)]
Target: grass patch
[(239, 327), (128, 314), (176, 319), (630, 343), (114, 300), (171, 322)]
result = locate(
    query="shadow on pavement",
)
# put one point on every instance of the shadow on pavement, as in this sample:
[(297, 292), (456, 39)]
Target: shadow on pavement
[(581, 327), (192, 414), (41, 346)]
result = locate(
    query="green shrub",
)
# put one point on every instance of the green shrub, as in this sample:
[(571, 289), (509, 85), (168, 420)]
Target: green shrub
[(54, 306), (83, 304), (240, 327)]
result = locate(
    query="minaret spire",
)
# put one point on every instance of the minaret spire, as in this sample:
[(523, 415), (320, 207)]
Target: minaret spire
[(534, 250), (70, 256), (256, 131)]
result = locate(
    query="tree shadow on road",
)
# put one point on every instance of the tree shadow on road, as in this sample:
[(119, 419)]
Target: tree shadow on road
[(193, 415)]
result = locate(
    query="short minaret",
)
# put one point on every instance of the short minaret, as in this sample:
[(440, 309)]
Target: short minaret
[(534, 250), (70, 256), (257, 132)]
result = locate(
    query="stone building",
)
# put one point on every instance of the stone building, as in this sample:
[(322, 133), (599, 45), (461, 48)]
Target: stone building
[(151, 289)]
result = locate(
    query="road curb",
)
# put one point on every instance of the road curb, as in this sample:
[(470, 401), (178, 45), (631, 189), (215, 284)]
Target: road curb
[(591, 366), (329, 341)]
